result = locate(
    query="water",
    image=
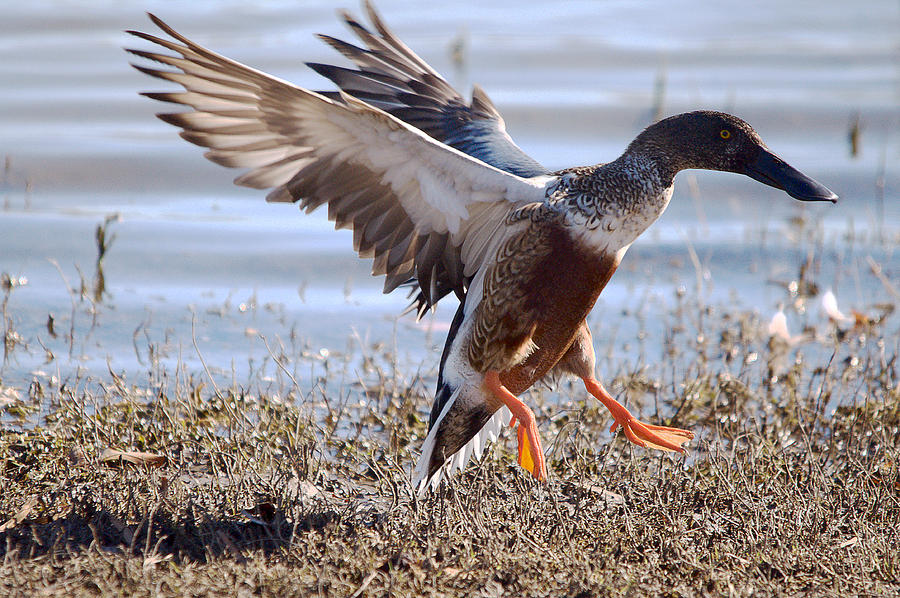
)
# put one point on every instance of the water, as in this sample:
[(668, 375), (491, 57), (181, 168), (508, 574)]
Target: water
[(200, 267)]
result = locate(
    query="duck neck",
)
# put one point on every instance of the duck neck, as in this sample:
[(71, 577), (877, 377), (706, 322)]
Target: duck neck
[(647, 168), (671, 144), (651, 157)]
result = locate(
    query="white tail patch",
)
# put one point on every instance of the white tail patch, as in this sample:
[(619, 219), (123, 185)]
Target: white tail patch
[(458, 460)]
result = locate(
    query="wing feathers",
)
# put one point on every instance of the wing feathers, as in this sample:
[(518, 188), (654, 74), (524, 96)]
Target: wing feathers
[(391, 76), (411, 201)]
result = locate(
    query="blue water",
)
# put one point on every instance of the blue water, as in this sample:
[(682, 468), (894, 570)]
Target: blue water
[(200, 267)]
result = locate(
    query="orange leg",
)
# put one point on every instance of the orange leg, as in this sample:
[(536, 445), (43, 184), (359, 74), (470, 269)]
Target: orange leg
[(531, 455), (645, 435)]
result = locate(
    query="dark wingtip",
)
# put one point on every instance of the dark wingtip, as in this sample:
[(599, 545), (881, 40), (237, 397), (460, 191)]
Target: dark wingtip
[(157, 21), (325, 70)]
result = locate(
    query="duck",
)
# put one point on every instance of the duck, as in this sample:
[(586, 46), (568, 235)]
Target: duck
[(444, 202)]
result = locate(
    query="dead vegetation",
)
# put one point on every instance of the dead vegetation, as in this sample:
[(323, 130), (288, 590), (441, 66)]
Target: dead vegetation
[(174, 488)]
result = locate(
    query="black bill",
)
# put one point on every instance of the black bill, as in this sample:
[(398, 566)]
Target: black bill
[(770, 169)]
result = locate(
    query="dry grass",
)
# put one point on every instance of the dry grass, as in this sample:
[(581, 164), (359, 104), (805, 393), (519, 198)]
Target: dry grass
[(793, 486)]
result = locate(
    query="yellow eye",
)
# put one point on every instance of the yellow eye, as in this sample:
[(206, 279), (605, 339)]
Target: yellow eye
[(725, 134)]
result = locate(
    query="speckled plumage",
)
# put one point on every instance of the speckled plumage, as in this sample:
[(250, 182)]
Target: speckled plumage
[(441, 198), (610, 194)]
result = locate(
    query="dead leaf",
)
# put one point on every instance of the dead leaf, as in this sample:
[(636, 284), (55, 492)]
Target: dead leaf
[(611, 498), (26, 510), (113, 458), (861, 320), (152, 560), (305, 489), (849, 543)]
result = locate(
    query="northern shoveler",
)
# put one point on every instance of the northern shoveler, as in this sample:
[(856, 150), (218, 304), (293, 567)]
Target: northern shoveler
[(441, 197)]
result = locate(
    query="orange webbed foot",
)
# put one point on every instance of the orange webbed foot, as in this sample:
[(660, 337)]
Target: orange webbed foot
[(650, 436), (642, 434), (531, 454)]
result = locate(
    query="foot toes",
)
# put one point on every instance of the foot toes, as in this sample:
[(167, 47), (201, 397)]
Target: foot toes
[(656, 437), (673, 431)]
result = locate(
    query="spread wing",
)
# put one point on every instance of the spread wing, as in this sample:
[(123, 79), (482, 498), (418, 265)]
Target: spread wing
[(392, 77), (421, 209)]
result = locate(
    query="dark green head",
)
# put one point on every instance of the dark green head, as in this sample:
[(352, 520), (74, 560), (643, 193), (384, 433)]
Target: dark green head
[(718, 141)]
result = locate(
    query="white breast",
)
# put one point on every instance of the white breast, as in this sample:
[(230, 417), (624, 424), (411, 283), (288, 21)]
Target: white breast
[(617, 230)]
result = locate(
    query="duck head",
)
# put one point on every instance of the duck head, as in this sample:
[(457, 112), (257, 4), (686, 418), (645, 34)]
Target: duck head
[(718, 141)]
